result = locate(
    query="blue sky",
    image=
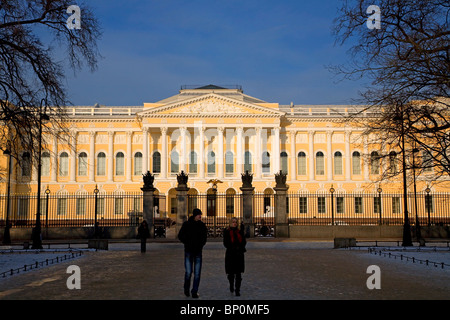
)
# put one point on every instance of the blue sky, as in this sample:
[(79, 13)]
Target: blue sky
[(276, 50)]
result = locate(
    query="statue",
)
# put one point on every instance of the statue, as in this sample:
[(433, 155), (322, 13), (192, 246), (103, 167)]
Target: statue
[(182, 179), (148, 180), (247, 179), (280, 179)]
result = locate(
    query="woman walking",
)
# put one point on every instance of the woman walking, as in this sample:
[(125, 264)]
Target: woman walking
[(234, 241)]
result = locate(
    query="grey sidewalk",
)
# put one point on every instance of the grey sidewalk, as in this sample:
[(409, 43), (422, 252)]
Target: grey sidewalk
[(275, 270)]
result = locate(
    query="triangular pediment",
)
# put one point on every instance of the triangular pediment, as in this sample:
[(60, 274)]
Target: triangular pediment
[(210, 105)]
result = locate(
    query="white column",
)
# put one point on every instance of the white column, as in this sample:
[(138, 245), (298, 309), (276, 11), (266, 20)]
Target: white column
[(220, 155), (201, 153), (182, 157), (239, 153), (163, 152), (144, 150), (311, 156), (276, 150), (347, 155), (258, 162), (329, 156), (129, 157), (55, 159), (91, 156), (110, 155), (365, 159), (73, 153), (293, 170)]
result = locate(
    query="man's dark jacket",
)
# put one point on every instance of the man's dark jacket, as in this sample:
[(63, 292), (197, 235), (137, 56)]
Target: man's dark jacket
[(193, 234)]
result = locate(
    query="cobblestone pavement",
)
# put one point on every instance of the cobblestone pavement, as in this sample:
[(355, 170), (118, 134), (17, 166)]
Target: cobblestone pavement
[(275, 270)]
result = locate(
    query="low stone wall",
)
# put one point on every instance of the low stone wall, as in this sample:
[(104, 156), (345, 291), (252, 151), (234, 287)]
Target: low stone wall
[(358, 232), (299, 232), (69, 233)]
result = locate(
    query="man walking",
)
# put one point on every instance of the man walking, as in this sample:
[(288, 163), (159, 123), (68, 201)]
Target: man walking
[(193, 235)]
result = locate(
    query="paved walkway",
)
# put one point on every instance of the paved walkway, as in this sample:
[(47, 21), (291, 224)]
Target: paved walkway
[(275, 270)]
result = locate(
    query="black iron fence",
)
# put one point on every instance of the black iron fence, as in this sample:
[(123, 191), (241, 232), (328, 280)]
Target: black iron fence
[(368, 209), (126, 209), (77, 210)]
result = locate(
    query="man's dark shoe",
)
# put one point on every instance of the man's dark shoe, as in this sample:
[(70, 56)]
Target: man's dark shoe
[(186, 293), (194, 295)]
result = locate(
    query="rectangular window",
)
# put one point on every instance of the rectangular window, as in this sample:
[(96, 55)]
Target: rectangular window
[(230, 204), (377, 205), (339, 204), (303, 204), (62, 206), (358, 205), (100, 206), (118, 205), (23, 207), (321, 207), (81, 206), (396, 205)]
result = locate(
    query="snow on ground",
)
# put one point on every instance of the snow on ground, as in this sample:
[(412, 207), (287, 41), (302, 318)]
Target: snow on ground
[(18, 258), (13, 258)]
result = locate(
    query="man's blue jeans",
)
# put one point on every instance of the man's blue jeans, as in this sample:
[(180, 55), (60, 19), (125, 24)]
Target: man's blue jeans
[(192, 262)]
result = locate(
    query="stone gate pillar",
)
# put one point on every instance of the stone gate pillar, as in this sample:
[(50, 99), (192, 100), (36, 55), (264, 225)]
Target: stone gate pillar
[(182, 201), (247, 204), (281, 218), (148, 201)]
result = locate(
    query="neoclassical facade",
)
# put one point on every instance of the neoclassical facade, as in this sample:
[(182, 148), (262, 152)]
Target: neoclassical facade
[(207, 132)]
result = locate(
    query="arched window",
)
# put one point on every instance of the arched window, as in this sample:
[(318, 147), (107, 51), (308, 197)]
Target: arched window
[(338, 163), (211, 162), (82, 164), (265, 162), (320, 163), (229, 162), (427, 162), (157, 162), (26, 164), (101, 164), (63, 164), (374, 163), (301, 163), (393, 162), (284, 162), (193, 162), (247, 161), (174, 162), (137, 164), (45, 164), (120, 164), (356, 162)]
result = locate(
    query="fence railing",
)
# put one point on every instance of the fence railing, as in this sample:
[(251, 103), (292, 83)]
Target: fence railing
[(126, 209), (73, 210), (368, 209)]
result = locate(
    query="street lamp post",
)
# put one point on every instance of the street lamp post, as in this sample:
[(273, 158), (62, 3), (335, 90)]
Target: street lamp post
[(418, 233), (36, 234), (96, 233), (379, 190), (428, 201), (6, 234), (332, 205), (47, 193), (407, 241)]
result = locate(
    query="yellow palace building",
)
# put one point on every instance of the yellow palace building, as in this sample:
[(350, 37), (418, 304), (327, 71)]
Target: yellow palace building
[(207, 132)]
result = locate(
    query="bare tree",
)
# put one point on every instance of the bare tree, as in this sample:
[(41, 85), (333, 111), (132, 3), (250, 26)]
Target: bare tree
[(406, 63), (31, 77)]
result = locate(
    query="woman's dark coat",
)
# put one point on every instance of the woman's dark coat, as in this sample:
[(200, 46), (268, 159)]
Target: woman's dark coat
[(234, 255)]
